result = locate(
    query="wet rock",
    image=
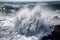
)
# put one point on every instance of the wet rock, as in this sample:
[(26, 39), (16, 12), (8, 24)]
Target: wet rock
[(55, 34)]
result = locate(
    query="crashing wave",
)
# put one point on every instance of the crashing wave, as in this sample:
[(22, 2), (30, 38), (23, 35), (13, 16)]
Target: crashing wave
[(28, 23)]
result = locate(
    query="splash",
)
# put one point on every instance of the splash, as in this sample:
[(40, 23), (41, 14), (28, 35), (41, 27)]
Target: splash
[(30, 22)]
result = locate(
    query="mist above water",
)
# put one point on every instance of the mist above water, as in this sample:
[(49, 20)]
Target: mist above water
[(30, 22)]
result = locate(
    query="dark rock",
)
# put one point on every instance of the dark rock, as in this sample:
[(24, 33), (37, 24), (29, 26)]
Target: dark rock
[(55, 34)]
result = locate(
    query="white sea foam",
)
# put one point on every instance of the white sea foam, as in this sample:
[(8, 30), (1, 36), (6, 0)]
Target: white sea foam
[(29, 24)]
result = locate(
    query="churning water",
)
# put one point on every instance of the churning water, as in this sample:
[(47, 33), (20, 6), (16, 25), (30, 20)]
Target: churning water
[(27, 21)]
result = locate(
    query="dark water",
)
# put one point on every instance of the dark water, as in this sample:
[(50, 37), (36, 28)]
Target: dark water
[(28, 20)]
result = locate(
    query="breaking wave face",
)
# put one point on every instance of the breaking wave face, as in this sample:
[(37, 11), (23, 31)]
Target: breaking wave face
[(30, 22)]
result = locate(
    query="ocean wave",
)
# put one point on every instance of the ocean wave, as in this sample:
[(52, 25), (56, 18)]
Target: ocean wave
[(29, 22)]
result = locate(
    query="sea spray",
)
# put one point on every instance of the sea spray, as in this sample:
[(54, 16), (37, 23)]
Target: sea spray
[(32, 24)]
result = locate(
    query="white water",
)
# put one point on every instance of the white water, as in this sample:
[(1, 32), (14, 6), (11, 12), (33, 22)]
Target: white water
[(29, 24)]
